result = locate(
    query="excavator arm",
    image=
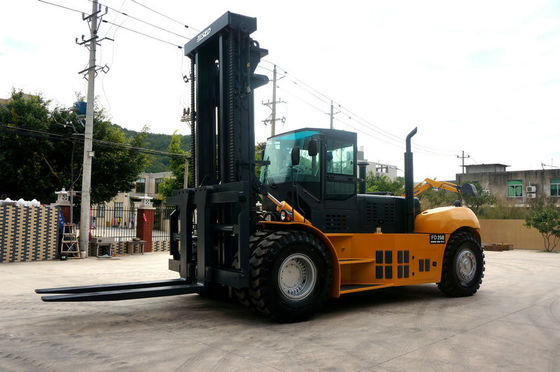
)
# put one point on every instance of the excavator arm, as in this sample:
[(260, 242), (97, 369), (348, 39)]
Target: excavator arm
[(428, 183)]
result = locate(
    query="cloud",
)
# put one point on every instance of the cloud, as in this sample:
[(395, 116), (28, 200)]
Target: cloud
[(551, 82), (486, 58), (19, 46)]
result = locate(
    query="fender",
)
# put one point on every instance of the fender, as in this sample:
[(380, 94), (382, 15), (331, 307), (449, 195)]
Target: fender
[(446, 220), (276, 225)]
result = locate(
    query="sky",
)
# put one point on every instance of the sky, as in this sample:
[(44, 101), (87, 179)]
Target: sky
[(480, 76)]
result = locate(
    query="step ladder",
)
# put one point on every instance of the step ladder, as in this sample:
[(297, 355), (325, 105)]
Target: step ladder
[(70, 245)]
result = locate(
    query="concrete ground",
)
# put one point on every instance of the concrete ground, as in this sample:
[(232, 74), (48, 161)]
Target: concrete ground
[(512, 324)]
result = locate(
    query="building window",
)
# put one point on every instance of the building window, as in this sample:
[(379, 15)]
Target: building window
[(515, 189), (555, 187), (141, 185), (158, 181), (101, 210), (118, 209)]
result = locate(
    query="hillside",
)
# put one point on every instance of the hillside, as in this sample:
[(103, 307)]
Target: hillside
[(156, 141)]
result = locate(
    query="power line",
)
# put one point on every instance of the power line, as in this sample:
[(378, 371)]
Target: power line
[(59, 137), (327, 100), (145, 22), (61, 6), (116, 25), (165, 16), (367, 125), (366, 130), (143, 34)]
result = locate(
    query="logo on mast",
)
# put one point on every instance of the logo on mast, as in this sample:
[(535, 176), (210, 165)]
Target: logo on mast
[(203, 34)]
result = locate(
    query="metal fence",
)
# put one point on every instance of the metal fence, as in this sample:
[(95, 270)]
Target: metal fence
[(160, 231), (120, 223)]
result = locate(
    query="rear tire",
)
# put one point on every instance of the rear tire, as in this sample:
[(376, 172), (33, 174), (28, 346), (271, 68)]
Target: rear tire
[(463, 265), (291, 275)]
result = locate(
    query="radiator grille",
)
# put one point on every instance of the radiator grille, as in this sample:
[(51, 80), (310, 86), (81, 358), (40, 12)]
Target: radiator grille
[(336, 222)]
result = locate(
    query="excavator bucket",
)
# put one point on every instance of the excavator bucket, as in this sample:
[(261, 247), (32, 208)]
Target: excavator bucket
[(469, 189)]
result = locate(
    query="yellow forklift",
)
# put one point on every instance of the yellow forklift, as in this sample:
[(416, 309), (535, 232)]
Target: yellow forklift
[(319, 234)]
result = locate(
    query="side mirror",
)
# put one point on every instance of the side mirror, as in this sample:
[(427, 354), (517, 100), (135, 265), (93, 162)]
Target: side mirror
[(313, 147), (469, 189), (261, 154), (295, 155)]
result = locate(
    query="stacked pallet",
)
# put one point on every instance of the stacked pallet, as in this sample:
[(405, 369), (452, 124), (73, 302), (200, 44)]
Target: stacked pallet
[(28, 233)]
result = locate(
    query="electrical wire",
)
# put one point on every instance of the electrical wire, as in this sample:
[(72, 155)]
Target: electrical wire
[(110, 64), (324, 98), (115, 19), (165, 16), (61, 6), (60, 137), (141, 33), (116, 25), (143, 21), (367, 126)]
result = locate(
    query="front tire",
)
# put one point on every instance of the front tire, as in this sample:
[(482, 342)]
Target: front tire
[(463, 265), (242, 295), (291, 275)]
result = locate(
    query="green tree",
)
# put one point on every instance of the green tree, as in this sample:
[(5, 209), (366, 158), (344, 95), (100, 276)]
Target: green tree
[(259, 148), (433, 198), (384, 184), (36, 148), (157, 141), (545, 217), (177, 167)]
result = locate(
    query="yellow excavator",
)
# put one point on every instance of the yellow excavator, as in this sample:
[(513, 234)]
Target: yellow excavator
[(428, 183)]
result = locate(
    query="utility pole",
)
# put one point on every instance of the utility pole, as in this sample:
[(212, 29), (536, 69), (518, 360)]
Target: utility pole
[(92, 69), (273, 115), (272, 105), (186, 176), (463, 157), (332, 114)]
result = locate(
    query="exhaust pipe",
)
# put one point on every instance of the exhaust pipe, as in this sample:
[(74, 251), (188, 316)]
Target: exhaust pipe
[(409, 183), (362, 167)]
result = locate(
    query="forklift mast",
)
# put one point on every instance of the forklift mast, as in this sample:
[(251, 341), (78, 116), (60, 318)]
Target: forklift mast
[(223, 189)]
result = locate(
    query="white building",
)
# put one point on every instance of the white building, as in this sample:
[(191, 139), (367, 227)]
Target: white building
[(378, 169)]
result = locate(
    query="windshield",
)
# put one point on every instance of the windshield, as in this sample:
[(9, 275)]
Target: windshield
[(278, 153)]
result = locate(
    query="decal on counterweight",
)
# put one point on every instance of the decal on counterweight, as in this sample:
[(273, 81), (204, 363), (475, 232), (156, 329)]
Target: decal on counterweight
[(437, 238)]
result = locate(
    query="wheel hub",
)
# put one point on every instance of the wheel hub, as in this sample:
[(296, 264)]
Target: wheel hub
[(465, 266), (297, 276)]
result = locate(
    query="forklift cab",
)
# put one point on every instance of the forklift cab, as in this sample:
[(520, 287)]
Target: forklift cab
[(315, 171), (321, 161)]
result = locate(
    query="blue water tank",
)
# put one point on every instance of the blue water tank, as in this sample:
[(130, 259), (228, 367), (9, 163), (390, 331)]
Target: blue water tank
[(80, 107)]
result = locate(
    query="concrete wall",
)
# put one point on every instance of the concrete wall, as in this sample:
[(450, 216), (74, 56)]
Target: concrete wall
[(511, 231), (379, 169), (497, 182)]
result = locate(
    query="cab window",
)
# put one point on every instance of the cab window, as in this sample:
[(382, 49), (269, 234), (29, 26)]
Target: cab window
[(340, 183), (340, 158)]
